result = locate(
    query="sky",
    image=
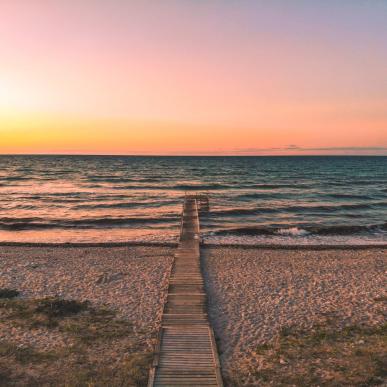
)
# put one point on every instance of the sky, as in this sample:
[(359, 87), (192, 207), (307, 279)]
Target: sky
[(193, 77)]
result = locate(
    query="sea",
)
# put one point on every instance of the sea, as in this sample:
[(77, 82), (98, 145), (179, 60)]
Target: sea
[(289, 200)]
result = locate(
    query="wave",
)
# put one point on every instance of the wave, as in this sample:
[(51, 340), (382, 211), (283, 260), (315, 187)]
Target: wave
[(265, 195), (303, 231), (295, 209), (178, 187), (65, 201), (350, 183), (339, 230), (11, 224), (279, 186), (242, 211), (56, 195), (73, 197), (211, 187), (83, 195), (155, 204), (106, 206), (250, 230), (14, 178), (201, 187), (327, 207), (348, 196), (292, 231), (110, 179)]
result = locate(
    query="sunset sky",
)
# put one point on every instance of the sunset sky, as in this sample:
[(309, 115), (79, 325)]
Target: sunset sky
[(193, 77)]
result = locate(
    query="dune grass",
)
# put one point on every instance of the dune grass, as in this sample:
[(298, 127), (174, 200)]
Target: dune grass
[(323, 356), (8, 293), (103, 350)]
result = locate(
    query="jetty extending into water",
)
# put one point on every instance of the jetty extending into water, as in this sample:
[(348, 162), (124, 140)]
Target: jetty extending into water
[(186, 353)]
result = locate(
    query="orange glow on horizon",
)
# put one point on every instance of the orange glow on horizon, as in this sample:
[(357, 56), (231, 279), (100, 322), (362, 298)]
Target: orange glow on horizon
[(189, 78), (57, 135)]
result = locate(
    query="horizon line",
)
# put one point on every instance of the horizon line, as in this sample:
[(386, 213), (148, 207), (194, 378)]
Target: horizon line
[(193, 155)]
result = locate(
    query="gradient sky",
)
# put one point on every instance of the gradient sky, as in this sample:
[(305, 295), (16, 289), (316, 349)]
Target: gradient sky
[(193, 77)]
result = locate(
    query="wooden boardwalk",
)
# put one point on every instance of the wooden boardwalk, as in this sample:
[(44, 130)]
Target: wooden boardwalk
[(186, 352)]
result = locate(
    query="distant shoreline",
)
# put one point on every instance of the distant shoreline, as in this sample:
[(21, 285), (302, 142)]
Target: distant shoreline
[(204, 245)]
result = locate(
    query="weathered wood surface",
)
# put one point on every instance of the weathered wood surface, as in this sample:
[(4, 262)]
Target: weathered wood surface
[(186, 352)]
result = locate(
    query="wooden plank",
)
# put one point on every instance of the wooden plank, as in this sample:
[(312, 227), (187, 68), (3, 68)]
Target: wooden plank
[(185, 354)]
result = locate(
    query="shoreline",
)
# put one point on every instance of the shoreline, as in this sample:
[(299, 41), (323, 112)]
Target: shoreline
[(203, 245)]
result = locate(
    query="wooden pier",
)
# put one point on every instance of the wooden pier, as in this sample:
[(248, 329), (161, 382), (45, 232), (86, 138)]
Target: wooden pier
[(186, 353)]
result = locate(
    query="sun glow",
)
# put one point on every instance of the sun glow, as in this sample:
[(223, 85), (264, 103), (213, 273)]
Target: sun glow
[(231, 78)]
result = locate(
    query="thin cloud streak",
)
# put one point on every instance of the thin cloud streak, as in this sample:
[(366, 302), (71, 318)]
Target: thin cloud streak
[(295, 149)]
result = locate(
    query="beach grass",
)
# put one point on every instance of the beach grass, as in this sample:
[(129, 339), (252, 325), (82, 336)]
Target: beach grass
[(325, 355), (8, 293), (24, 354), (93, 335)]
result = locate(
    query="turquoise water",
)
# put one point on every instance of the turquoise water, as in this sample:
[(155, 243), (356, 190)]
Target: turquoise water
[(281, 200)]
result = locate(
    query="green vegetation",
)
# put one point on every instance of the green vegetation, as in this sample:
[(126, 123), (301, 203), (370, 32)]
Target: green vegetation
[(54, 307), (24, 354), (99, 325), (8, 293), (76, 318), (133, 371), (101, 348), (323, 356)]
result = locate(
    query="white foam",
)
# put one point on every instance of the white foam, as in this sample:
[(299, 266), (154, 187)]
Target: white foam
[(292, 231)]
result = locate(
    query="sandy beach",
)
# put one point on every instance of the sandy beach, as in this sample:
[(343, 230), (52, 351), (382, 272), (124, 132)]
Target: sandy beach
[(253, 295), (130, 280), (127, 280)]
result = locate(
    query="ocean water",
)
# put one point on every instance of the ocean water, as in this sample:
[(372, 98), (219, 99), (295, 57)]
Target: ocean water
[(253, 200)]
